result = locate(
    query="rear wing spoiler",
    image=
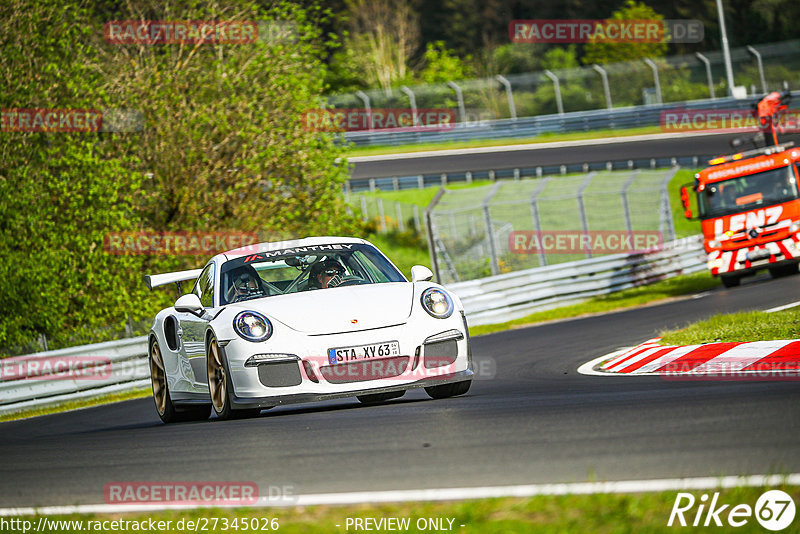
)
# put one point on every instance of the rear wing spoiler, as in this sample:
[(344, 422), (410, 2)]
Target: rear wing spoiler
[(156, 280)]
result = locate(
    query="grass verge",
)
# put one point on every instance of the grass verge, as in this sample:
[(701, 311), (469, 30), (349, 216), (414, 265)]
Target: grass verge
[(422, 198), (628, 298), (543, 138), (75, 405), (745, 326), (600, 513)]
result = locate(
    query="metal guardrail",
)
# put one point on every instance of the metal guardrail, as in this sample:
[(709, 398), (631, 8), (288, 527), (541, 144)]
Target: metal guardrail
[(510, 296), (52, 377), (442, 179), (576, 121), (119, 366)]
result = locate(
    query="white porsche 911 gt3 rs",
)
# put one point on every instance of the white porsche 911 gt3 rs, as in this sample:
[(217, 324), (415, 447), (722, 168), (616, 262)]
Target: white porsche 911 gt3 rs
[(299, 321)]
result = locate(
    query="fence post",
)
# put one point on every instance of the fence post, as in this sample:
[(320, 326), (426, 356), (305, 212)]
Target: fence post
[(582, 208), (626, 210), (420, 181), (669, 222), (557, 88), (381, 215), (494, 262), (537, 224), (364, 214), (395, 183), (364, 98), (432, 233), (653, 66), (413, 100), (398, 211), (707, 63), (606, 90), (460, 98), (760, 67), (417, 224), (512, 109)]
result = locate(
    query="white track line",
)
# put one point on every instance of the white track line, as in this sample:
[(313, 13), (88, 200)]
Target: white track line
[(784, 307), (527, 146), (444, 494)]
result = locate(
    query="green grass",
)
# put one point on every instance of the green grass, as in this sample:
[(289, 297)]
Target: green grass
[(746, 326), (600, 513), (422, 198), (74, 405), (403, 254), (543, 138), (628, 298)]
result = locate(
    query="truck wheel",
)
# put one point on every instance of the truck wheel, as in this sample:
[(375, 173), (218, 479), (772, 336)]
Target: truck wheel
[(783, 270), (730, 280)]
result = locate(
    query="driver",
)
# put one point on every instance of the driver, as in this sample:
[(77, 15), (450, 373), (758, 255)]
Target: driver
[(325, 274), (244, 284)]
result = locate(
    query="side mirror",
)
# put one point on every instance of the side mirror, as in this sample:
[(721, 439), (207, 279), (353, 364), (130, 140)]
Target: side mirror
[(189, 303), (687, 207), (420, 273)]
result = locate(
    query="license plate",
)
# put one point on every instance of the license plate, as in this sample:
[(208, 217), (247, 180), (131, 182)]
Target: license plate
[(758, 254), (363, 352)]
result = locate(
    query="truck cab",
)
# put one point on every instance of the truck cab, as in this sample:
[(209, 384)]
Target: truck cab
[(749, 207)]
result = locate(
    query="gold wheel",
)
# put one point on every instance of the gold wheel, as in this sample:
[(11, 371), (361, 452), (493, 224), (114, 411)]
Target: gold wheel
[(216, 378), (158, 377)]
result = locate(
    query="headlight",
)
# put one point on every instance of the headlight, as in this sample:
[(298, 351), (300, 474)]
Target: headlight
[(794, 227), (714, 243), (252, 326), (437, 303)]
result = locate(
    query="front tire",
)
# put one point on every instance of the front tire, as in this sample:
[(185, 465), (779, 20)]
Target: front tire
[(448, 390), (166, 409), (730, 280), (219, 385), (783, 270)]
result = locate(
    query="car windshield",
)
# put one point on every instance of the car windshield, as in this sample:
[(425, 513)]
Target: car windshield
[(309, 268), (748, 192)]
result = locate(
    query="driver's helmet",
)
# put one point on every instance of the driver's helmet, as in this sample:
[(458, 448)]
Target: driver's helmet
[(243, 283), (330, 267)]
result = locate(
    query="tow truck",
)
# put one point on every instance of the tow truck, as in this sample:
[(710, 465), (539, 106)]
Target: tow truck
[(748, 203)]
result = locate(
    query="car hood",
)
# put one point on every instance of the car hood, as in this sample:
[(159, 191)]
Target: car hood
[(339, 309)]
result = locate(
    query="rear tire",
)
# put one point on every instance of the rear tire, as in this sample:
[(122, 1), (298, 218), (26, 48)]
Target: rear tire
[(730, 280), (374, 398), (448, 390), (219, 385)]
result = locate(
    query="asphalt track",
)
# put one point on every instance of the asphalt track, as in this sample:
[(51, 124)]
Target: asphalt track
[(536, 421), (546, 154)]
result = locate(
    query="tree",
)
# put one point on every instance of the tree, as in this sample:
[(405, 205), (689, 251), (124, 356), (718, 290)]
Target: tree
[(223, 146), (609, 52), (383, 36), (442, 66)]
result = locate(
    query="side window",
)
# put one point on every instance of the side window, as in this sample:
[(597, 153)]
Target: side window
[(204, 287)]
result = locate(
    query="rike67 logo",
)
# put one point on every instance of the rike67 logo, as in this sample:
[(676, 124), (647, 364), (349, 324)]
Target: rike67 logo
[(774, 510)]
